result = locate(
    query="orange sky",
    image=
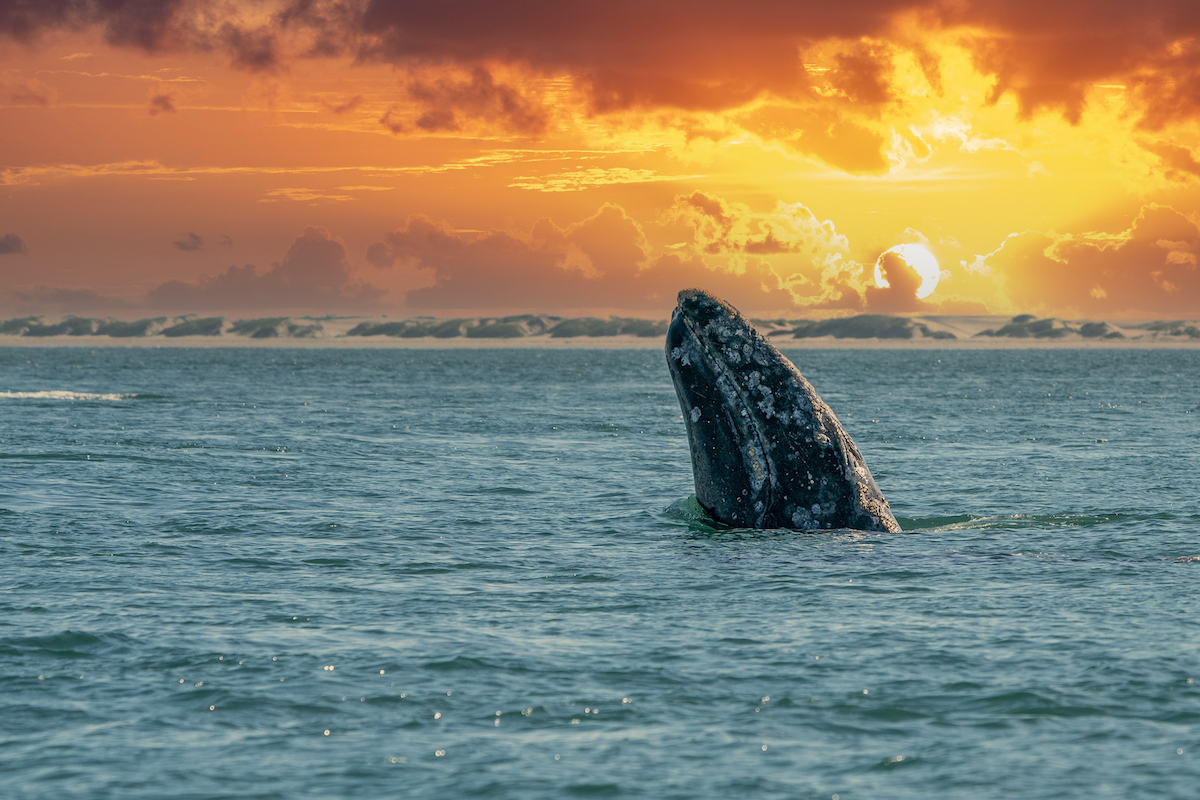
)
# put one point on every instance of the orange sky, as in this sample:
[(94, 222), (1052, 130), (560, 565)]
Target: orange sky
[(164, 156)]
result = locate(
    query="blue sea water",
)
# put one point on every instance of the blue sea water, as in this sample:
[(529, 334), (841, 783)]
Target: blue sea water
[(278, 573)]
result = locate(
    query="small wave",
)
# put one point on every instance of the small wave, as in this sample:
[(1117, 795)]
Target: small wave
[(60, 394)]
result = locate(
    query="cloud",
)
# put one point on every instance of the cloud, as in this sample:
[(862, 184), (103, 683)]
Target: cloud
[(162, 104), (446, 101), (392, 122), (253, 50), (900, 295), (189, 243), (1180, 162), (580, 179), (346, 106), (11, 244), (225, 241), (602, 262), (301, 195), (1148, 268), (26, 91), (313, 275), (47, 299), (687, 54)]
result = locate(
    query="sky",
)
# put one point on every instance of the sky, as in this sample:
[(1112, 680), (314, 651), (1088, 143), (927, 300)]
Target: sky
[(476, 157)]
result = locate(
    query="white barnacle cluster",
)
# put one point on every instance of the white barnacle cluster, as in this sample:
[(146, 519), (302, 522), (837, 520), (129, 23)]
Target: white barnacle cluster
[(802, 519), (681, 355), (758, 467)]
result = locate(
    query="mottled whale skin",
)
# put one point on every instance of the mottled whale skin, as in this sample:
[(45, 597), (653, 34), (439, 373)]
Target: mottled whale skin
[(767, 452)]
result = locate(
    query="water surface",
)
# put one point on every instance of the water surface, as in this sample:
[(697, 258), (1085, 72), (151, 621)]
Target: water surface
[(421, 573)]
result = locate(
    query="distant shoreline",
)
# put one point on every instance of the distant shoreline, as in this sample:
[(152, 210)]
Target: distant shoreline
[(587, 343), (546, 332)]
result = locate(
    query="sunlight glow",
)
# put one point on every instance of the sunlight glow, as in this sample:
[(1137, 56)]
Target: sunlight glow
[(922, 262)]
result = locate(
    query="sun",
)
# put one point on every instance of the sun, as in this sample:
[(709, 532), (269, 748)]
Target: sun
[(921, 261)]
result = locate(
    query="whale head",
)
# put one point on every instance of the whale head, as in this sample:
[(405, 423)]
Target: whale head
[(766, 451)]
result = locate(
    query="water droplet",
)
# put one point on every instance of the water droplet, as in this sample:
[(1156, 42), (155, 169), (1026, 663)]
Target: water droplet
[(439, 753), (764, 748), (327, 731), (437, 715), (557, 756), (380, 672), (212, 708)]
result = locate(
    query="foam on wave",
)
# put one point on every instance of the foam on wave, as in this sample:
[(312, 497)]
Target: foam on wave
[(62, 394)]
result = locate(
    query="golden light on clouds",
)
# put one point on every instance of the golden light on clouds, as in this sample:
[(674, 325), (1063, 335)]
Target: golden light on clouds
[(574, 157), (916, 258)]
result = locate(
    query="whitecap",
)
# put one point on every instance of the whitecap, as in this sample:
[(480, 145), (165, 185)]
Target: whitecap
[(60, 394)]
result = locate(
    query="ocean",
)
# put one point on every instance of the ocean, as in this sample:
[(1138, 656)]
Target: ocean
[(295, 573)]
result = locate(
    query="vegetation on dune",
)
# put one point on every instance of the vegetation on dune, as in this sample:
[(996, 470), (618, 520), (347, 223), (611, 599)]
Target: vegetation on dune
[(867, 326), (265, 328), (1025, 326), (206, 326), (862, 326)]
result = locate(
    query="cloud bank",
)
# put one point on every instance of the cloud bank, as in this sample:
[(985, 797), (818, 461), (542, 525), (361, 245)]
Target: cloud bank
[(314, 274)]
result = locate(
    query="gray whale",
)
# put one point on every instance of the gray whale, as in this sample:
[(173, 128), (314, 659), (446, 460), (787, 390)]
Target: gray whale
[(767, 452)]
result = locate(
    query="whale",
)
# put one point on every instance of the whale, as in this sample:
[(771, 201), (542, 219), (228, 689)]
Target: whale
[(767, 451)]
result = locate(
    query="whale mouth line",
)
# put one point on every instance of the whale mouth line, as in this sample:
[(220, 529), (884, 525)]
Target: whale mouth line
[(719, 366)]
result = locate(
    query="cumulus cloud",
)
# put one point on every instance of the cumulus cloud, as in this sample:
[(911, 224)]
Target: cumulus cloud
[(812, 258), (11, 244), (314, 274), (900, 295), (1149, 267), (603, 261), (189, 243)]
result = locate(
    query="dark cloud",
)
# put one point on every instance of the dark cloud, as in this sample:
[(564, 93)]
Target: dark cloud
[(686, 54), (162, 104), (313, 275), (11, 244), (189, 243), (1149, 268), (148, 25), (479, 98), (251, 50), (1049, 54), (225, 241)]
